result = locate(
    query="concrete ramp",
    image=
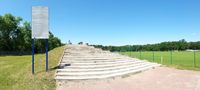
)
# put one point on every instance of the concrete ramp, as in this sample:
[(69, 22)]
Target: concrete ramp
[(86, 62)]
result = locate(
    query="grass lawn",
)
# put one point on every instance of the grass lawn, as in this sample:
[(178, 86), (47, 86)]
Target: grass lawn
[(16, 74), (180, 59)]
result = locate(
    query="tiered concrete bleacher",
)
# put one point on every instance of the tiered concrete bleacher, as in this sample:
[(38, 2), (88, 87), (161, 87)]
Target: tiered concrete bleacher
[(86, 62)]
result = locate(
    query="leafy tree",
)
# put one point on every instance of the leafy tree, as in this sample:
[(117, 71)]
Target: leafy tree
[(16, 37), (163, 46)]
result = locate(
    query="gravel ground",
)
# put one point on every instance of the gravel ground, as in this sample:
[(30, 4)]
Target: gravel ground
[(160, 78)]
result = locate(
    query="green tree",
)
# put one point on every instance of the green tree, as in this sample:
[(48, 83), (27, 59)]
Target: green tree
[(9, 29), (16, 37)]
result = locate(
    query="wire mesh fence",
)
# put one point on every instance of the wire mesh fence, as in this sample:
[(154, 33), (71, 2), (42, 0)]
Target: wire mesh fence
[(180, 58)]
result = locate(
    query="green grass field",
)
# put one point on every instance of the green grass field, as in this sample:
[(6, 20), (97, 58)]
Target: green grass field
[(16, 74), (180, 59)]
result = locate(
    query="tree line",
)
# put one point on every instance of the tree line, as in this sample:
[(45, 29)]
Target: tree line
[(15, 35), (164, 46)]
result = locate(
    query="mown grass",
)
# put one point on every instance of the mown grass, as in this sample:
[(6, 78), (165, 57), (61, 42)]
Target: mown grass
[(180, 59), (16, 74)]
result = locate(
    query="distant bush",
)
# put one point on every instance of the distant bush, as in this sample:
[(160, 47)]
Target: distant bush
[(164, 46), (80, 43)]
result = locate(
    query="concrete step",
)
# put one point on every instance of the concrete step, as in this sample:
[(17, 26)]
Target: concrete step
[(103, 60), (102, 72), (86, 57), (95, 63), (96, 69), (103, 64), (100, 66), (103, 76)]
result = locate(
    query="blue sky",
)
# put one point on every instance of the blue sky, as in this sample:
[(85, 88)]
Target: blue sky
[(115, 22)]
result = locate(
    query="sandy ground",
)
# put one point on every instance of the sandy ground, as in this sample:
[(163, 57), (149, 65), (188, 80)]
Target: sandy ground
[(161, 78)]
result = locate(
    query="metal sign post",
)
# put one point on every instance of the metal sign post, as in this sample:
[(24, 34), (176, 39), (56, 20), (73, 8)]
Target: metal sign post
[(47, 45), (40, 30), (32, 56)]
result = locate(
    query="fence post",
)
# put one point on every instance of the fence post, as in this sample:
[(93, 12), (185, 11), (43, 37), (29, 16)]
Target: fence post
[(129, 51), (161, 59), (120, 52), (194, 59), (171, 56), (153, 56)]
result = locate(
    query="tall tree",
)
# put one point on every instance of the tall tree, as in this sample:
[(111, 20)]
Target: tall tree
[(15, 36)]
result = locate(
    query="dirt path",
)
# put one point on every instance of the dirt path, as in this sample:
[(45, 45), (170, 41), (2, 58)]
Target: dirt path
[(161, 78)]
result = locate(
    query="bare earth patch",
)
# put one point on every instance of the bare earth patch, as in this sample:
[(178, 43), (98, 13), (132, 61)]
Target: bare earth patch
[(160, 78)]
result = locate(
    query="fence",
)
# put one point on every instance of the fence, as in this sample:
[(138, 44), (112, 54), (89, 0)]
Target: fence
[(181, 58), (18, 52), (15, 52)]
